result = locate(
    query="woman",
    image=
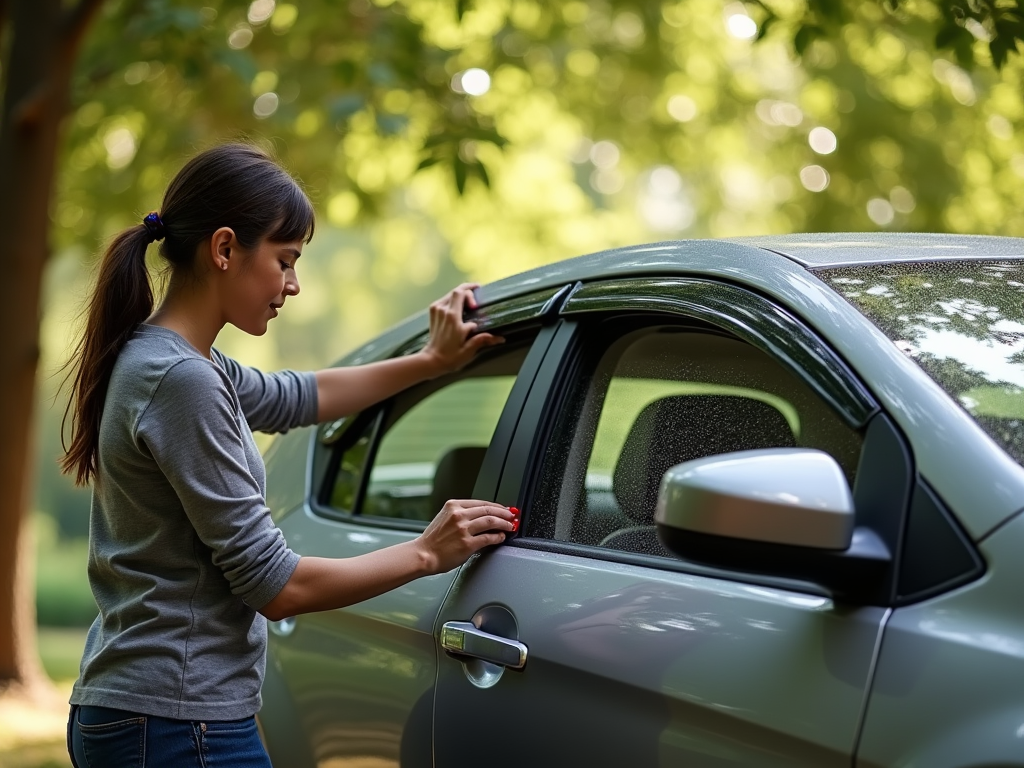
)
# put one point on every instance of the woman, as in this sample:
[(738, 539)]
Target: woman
[(183, 556)]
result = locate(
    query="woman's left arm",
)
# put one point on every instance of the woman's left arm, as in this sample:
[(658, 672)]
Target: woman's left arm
[(348, 390)]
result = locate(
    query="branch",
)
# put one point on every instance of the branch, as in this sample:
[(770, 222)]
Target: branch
[(76, 20), (3, 18)]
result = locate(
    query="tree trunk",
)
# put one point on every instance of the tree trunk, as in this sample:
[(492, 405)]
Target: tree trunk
[(44, 42)]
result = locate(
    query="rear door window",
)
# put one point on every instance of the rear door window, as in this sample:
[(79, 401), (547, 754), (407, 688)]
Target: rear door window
[(403, 460), (433, 451)]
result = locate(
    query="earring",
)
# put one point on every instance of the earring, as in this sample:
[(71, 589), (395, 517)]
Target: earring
[(223, 265)]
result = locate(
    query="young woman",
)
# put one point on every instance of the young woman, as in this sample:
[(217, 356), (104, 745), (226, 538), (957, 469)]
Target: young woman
[(183, 556)]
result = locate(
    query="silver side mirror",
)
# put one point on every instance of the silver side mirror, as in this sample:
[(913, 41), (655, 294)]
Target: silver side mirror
[(790, 496)]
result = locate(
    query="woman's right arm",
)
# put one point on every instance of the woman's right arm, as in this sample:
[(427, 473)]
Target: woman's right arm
[(460, 529)]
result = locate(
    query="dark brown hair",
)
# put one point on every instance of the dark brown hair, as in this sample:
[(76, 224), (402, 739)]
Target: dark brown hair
[(232, 185)]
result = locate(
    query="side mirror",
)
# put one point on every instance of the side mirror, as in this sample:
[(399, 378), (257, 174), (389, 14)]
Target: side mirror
[(781, 511), (778, 495)]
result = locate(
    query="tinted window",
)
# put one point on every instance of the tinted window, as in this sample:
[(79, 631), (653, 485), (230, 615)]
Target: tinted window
[(435, 449), (425, 446), (654, 398), (962, 322), (354, 452)]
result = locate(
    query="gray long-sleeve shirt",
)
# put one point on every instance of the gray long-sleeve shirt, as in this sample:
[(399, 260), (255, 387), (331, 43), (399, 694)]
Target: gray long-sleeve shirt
[(182, 550)]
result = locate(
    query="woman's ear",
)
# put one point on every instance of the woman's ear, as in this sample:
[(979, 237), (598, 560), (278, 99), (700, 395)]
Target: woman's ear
[(222, 244)]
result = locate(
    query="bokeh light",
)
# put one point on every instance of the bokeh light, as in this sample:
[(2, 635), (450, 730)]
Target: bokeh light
[(822, 140), (607, 181), (265, 105), (662, 202), (902, 199), (120, 145), (260, 11), (741, 26), (773, 112), (880, 211), (605, 154), (814, 178), (682, 108), (240, 37), (473, 82)]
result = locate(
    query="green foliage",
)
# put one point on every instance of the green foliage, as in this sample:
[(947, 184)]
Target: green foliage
[(362, 100), (63, 597), (603, 123), (60, 650)]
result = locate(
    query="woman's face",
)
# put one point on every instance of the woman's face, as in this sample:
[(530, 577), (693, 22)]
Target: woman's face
[(256, 287)]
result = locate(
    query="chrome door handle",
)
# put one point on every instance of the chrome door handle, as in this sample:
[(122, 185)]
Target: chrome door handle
[(463, 638)]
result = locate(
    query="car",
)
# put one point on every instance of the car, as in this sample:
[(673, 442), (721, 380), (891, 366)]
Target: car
[(771, 494)]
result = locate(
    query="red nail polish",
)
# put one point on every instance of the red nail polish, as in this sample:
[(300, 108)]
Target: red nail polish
[(514, 511)]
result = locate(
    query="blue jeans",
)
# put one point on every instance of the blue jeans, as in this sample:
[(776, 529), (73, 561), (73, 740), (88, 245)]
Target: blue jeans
[(113, 738)]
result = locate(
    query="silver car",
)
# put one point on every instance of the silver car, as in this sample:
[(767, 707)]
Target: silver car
[(771, 493)]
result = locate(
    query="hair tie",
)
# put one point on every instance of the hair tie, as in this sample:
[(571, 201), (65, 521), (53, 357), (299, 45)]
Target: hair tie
[(154, 226)]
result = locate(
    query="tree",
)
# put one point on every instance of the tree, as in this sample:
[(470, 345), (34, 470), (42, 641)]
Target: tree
[(42, 53), (511, 132)]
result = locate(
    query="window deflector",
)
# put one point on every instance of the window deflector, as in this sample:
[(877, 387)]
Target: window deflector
[(748, 316), (516, 314)]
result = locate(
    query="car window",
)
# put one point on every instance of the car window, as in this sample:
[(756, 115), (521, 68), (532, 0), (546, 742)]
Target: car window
[(655, 397), (962, 322), (425, 446)]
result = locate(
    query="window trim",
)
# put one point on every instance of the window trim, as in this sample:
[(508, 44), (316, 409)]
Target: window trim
[(332, 438), (746, 315), (590, 552)]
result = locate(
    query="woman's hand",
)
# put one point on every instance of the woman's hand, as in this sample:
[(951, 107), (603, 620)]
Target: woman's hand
[(461, 528), (451, 344)]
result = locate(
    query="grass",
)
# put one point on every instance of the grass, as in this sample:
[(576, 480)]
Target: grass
[(33, 735), (34, 738)]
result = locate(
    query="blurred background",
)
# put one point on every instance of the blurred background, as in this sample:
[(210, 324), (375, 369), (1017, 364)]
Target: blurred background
[(444, 140)]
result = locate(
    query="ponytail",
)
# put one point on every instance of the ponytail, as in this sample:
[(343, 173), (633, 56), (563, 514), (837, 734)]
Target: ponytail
[(231, 185), (123, 298)]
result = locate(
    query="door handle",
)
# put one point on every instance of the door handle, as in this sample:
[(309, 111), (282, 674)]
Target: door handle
[(464, 638)]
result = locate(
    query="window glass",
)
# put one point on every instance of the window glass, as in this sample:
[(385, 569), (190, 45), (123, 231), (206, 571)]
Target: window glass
[(435, 449), (657, 397), (425, 446), (962, 322), (350, 469)]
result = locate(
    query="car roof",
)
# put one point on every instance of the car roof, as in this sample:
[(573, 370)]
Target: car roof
[(746, 256), (745, 260), (841, 249)]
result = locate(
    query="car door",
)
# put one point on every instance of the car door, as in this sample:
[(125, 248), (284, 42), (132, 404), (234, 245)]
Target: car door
[(356, 684), (632, 655)]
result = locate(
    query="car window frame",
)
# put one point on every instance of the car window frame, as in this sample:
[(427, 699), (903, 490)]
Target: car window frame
[(531, 313), (822, 370)]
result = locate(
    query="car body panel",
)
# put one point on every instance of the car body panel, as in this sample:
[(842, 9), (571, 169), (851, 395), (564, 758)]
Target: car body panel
[(950, 676), (360, 679), (635, 666), (288, 476), (948, 445), (855, 248)]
